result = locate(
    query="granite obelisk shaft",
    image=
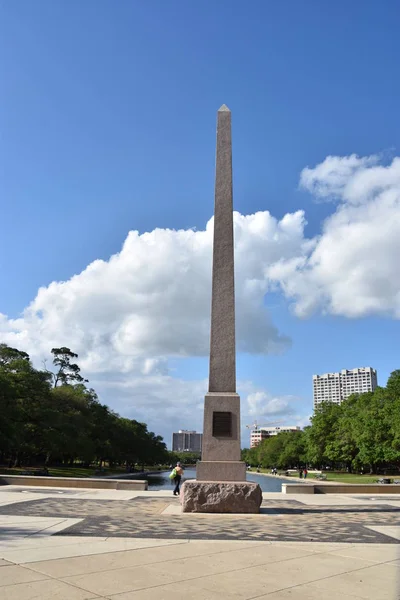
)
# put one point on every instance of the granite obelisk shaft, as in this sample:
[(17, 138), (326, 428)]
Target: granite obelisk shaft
[(222, 346)]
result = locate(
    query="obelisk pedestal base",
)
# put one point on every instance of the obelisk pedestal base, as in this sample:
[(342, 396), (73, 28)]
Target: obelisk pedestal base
[(233, 497), (213, 470)]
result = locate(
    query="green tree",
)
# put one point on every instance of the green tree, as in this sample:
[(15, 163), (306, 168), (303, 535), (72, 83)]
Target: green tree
[(294, 450), (67, 372), (393, 384), (10, 358), (321, 433), (342, 448), (68, 433), (371, 429), (25, 400), (186, 458)]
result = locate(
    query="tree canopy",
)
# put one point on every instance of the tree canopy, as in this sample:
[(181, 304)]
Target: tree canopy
[(52, 417), (363, 432)]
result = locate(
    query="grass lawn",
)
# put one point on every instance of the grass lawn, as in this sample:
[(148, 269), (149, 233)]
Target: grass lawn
[(76, 471), (64, 471), (335, 476), (352, 477)]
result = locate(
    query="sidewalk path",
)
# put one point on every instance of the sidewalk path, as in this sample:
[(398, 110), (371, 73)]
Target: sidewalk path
[(93, 544)]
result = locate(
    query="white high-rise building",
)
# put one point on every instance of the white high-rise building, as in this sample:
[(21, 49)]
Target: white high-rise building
[(336, 387)]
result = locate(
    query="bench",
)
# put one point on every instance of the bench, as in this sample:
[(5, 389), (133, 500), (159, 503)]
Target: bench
[(321, 477)]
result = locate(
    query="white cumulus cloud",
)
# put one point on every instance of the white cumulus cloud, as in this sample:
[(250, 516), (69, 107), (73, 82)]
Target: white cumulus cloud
[(262, 404), (151, 301), (353, 269)]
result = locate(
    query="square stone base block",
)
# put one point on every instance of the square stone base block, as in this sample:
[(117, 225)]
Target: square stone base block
[(221, 497), (207, 470)]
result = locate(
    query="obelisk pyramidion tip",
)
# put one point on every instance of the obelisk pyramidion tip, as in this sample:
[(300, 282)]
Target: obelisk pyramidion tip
[(224, 108)]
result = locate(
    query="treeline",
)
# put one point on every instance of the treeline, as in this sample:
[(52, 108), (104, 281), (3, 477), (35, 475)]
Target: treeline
[(361, 434), (52, 418), (186, 458)]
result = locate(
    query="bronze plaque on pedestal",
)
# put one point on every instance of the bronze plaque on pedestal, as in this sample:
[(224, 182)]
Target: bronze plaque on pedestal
[(222, 424)]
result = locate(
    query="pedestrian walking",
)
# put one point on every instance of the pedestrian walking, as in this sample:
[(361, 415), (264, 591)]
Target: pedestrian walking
[(177, 478)]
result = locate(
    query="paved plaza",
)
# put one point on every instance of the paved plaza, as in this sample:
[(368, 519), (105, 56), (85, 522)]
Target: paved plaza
[(82, 544)]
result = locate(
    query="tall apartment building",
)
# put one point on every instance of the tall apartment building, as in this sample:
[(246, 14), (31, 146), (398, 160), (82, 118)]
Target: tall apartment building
[(336, 387), (262, 433), (187, 441)]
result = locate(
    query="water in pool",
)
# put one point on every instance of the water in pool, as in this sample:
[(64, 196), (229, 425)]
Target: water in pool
[(161, 481)]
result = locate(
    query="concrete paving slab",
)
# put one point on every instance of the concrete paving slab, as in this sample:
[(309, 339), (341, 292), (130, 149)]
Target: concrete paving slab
[(263, 581), (317, 547), (228, 578), (32, 526), (48, 589), (39, 554), (175, 591), (10, 575), (303, 570), (117, 581), (231, 561), (44, 542), (240, 584), (378, 581), (395, 562), (155, 552), (375, 553), (305, 592), (172, 509), (390, 530), (4, 519), (57, 527)]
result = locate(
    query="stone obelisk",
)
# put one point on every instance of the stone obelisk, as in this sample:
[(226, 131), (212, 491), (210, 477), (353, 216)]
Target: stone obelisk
[(221, 433), (220, 484)]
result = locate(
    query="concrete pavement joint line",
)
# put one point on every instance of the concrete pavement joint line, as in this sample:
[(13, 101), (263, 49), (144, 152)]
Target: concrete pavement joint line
[(115, 596), (50, 578), (283, 588), (284, 560), (291, 587), (46, 528), (47, 577), (146, 548), (43, 578), (82, 556), (160, 562), (175, 543), (42, 543)]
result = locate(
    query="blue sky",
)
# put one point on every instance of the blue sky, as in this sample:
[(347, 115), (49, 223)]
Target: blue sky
[(108, 125)]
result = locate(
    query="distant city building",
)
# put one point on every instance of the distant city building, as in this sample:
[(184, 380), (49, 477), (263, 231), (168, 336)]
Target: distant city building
[(186, 441), (336, 387), (262, 433)]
